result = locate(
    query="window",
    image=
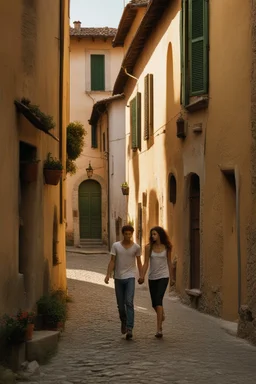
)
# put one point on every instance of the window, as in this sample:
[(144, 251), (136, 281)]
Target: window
[(148, 106), (135, 116), (94, 143), (194, 49), (97, 72), (172, 189)]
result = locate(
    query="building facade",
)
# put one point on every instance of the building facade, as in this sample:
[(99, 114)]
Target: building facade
[(34, 65), (108, 116), (94, 65), (190, 145)]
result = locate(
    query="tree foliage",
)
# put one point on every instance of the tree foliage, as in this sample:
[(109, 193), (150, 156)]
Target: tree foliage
[(75, 143), (75, 139)]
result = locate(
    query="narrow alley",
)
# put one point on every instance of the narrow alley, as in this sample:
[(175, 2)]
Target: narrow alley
[(195, 349)]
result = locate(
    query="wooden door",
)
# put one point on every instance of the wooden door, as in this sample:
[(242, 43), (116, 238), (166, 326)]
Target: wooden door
[(90, 210)]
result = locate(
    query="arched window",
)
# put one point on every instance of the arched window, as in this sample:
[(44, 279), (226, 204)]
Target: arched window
[(172, 188)]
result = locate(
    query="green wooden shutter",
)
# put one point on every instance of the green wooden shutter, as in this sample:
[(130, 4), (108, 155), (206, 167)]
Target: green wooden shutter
[(97, 72), (198, 20), (146, 108), (135, 117), (151, 104), (138, 107), (94, 143), (184, 95)]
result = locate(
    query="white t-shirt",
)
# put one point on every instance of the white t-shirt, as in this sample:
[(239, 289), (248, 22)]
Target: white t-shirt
[(125, 266), (158, 265)]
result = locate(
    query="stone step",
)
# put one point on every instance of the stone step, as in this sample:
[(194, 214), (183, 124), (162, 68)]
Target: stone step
[(97, 241), (42, 346), (90, 242)]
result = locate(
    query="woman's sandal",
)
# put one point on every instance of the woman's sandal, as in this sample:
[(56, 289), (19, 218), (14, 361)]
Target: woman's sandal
[(159, 335)]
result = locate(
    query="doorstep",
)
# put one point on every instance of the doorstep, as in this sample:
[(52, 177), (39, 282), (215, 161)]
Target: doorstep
[(42, 346)]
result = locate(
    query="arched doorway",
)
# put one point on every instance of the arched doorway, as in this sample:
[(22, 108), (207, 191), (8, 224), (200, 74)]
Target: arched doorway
[(194, 195), (90, 210)]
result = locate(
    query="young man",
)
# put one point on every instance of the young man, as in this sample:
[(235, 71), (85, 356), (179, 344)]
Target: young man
[(122, 262)]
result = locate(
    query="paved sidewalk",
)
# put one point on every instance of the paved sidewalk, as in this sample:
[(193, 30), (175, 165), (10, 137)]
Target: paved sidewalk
[(195, 348)]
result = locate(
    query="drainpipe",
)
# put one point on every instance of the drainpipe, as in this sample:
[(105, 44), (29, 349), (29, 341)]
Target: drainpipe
[(237, 180), (61, 75)]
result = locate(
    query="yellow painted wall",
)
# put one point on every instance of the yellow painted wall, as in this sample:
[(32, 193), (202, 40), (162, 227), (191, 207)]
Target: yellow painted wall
[(30, 68)]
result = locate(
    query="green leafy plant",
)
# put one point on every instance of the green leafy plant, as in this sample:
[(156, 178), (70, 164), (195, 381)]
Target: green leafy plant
[(13, 328), (75, 139), (75, 143), (52, 163), (53, 307), (46, 120), (124, 185), (71, 167)]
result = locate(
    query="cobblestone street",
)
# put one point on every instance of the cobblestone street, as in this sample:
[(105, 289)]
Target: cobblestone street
[(195, 349)]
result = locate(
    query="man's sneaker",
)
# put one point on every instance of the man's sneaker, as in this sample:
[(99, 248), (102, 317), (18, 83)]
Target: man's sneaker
[(129, 334), (123, 327)]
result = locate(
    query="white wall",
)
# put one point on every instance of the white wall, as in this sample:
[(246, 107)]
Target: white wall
[(118, 202)]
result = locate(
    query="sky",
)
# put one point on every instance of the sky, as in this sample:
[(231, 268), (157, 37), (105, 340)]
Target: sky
[(97, 13)]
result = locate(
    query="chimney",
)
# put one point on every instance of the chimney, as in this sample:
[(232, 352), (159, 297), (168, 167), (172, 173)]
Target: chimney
[(77, 25)]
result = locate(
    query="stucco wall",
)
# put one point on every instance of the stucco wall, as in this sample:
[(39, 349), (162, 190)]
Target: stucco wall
[(223, 142), (117, 163), (29, 68)]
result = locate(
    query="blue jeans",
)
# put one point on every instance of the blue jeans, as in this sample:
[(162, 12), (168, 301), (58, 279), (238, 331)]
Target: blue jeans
[(125, 289)]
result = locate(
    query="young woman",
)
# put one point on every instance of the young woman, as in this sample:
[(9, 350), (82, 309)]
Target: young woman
[(158, 256)]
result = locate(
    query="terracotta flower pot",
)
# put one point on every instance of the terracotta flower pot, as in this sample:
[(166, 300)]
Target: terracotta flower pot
[(29, 332), (125, 190), (52, 176)]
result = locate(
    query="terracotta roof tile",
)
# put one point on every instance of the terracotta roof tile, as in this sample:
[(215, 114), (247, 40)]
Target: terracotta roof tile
[(93, 32), (139, 2), (100, 107), (126, 20), (155, 11)]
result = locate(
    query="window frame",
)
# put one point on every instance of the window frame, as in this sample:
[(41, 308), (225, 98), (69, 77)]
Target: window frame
[(102, 86), (186, 50)]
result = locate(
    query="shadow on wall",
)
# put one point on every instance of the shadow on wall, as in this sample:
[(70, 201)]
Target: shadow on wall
[(153, 210), (46, 286)]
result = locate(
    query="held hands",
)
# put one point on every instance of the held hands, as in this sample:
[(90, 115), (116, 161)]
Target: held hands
[(141, 280)]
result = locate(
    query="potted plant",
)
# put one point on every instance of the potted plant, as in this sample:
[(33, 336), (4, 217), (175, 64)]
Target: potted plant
[(54, 311), (18, 328), (52, 170), (27, 318), (35, 116), (29, 170), (125, 188)]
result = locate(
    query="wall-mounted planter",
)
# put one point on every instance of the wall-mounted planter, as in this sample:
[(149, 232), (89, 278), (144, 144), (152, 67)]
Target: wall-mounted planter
[(125, 190), (52, 176), (29, 171), (181, 128)]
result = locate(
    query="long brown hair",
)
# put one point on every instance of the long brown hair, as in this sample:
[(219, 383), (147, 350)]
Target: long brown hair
[(164, 238)]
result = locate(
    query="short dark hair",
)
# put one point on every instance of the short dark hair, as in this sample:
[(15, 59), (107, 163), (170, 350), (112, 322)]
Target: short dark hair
[(127, 228)]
